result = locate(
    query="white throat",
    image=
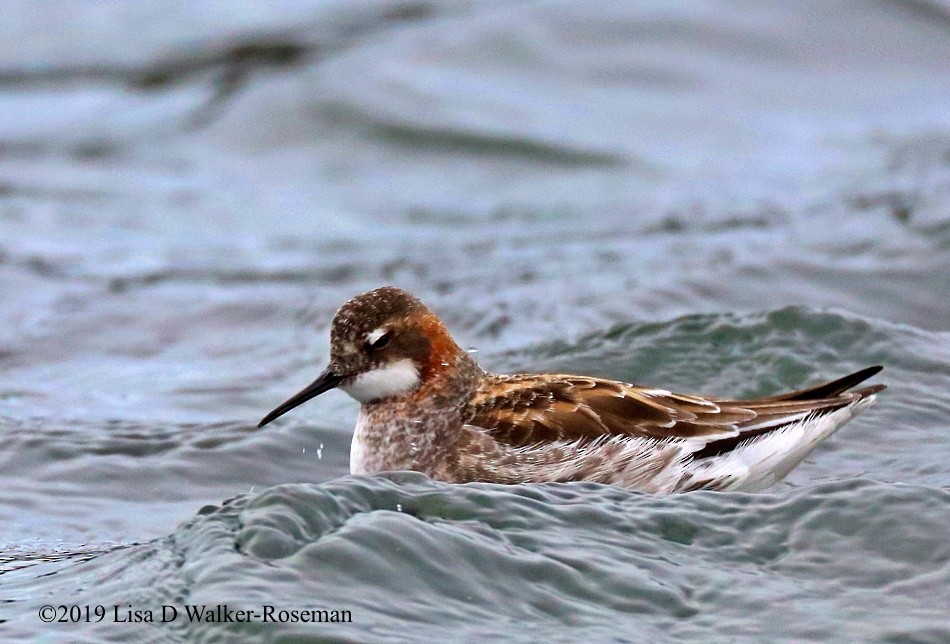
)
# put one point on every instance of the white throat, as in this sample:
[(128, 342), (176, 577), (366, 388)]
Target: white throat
[(393, 379)]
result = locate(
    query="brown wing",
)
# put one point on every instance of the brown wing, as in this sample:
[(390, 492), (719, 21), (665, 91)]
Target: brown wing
[(528, 409)]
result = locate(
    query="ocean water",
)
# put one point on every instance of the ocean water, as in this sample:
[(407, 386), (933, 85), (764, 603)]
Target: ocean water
[(716, 197)]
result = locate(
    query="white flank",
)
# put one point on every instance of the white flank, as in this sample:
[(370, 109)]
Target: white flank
[(359, 458), (768, 458), (391, 380)]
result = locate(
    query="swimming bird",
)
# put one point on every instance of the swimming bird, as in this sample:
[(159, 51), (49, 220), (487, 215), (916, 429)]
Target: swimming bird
[(427, 406)]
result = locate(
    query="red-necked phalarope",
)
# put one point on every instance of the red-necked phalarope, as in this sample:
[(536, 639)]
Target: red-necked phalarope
[(425, 405)]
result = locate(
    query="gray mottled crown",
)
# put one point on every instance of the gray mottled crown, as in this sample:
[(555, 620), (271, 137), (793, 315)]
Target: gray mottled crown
[(369, 310)]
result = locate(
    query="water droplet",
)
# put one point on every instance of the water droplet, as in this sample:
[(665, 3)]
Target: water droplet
[(304, 450), (445, 364), (320, 451), (472, 350), (399, 507)]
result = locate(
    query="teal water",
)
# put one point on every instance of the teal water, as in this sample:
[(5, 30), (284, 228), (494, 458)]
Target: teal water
[(411, 558), (716, 197)]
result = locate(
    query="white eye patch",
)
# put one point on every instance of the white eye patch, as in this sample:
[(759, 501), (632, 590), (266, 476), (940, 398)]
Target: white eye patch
[(400, 377), (375, 335)]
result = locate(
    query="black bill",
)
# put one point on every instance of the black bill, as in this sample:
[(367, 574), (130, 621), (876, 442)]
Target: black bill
[(324, 382)]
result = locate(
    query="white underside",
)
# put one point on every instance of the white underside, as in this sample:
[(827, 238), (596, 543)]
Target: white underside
[(359, 457), (397, 378), (765, 460)]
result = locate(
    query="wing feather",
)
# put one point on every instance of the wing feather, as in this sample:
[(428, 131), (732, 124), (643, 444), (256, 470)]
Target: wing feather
[(527, 409)]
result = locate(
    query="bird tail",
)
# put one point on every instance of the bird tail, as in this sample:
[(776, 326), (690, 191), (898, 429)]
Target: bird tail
[(788, 428)]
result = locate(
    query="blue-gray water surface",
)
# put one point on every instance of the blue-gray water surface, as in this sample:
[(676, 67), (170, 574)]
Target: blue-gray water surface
[(708, 196)]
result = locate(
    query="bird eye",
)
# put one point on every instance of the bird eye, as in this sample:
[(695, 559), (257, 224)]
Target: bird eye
[(376, 341)]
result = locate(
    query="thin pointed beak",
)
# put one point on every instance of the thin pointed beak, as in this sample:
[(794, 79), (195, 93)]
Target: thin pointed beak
[(324, 382)]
